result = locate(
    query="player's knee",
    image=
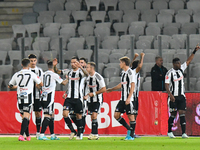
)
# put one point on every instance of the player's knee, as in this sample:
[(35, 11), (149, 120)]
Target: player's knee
[(65, 114), (78, 116), (116, 116)]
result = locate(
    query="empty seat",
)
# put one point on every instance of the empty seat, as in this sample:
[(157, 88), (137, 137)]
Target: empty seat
[(139, 23), (121, 51), (126, 5), (165, 44), (15, 58), (63, 19), (48, 55), (182, 18), (154, 51), (63, 13), (69, 25), (132, 11), (6, 71), (72, 5), (143, 44), (5, 46), (114, 58), (174, 24), (191, 24), (167, 57), (120, 27), (164, 18), (182, 57), (3, 55), (41, 45), (150, 58), (166, 38), (178, 41), (61, 1), (170, 30), (160, 5), (85, 53), (113, 84), (104, 24), (29, 18), (193, 5), (187, 11), (103, 57), (53, 25), (40, 6), (55, 43), (136, 30), (111, 72), (33, 28), (149, 38), (157, 24), (196, 17), (143, 5), (153, 30), (108, 44), (107, 51), (98, 16), (188, 30), (115, 15), (85, 30), (110, 3), (92, 3), (47, 13), (27, 42), (148, 18), (167, 11), (101, 32), (128, 18), (18, 29), (49, 31), (87, 23), (176, 5), (74, 46), (150, 11), (146, 86), (124, 44), (193, 42), (45, 19), (79, 15), (67, 32)]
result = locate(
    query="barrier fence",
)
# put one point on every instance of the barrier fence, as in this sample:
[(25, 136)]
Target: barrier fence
[(152, 118)]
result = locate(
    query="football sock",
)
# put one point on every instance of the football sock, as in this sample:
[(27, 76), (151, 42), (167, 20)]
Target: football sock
[(123, 122), (24, 125), (45, 124), (83, 119), (69, 124), (38, 123), (132, 125), (27, 130), (170, 123), (73, 117), (94, 126), (51, 125), (182, 122), (79, 126)]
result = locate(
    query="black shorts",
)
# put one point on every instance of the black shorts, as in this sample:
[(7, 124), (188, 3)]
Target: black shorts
[(93, 107), (71, 112), (122, 108), (37, 105), (73, 104), (179, 104), (136, 105), (25, 108)]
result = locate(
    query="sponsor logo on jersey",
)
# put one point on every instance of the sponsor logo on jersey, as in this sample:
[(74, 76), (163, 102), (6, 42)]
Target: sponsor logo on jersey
[(75, 78), (124, 82), (23, 89), (22, 94), (167, 77), (92, 86), (178, 79)]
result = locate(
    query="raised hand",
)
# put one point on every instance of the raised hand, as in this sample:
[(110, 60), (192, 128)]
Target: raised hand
[(55, 61)]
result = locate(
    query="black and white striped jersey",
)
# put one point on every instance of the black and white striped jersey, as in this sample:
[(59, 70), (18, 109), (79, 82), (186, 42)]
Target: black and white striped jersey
[(83, 86), (175, 79), (127, 77), (95, 83), (137, 83), (75, 78), (38, 71)]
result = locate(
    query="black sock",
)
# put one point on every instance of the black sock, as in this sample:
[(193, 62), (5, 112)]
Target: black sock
[(79, 126), (69, 124), (51, 125), (94, 126), (24, 125), (132, 125), (182, 122), (45, 124), (83, 121), (38, 123), (123, 122), (27, 130), (170, 123), (73, 117)]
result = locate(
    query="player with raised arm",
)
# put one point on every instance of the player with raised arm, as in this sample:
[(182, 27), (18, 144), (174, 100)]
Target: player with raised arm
[(36, 93), (73, 100), (24, 80), (126, 102), (48, 93), (94, 88), (136, 66), (174, 84)]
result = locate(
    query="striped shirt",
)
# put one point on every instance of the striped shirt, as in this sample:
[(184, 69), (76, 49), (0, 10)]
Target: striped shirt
[(95, 83), (175, 79), (75, 78), (137, 83), (127, 78)]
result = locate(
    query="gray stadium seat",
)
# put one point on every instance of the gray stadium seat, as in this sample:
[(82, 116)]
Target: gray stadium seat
[(148, 18), (101, 32), (15, 58), (48, 13), (139, 23), (69, 25), (40, 6), (6, 71), (188, 30), (121, 51), (110, 3), (111, 72), (18, 29), (56, 6), (182, 18), (120, 27), (114, 58), (167, 57), (136, 30), (128, 18), (167, 11), (143, 44), (103, 57), (193, 5), (150, 58), (48, 55), (146, 86), (72, 5), (33, 28), (124, 44), (62, 19), (178, 41), (98, 16), (79, 15), (126, 5), (29, 18), (164, 18), (115, 16), (143, 5), (67, 32), (113, 84), (87, 23), (157, 24), (187, 11), (160, 5), (153, 30), (55, 43), (85, 53), (165, 44), (107, 51), (27, 42), (49, 31), (45, 19), (41, 45), (85, 30), (132, 11), (3, 55), (150, 11), (103, 24), (92, 3), (196, 17), (170, 30), (153, 51), (176, 5)]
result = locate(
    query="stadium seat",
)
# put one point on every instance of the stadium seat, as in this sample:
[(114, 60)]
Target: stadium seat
[(111, 72), (182, 18), (120, 27), (167, 57), (193, 42), (182, 57), (92, 3), (115, 16), (196, 17), (115, 79), (109, 44), (63, 13), (146, 86), (43, 66), (150, 11), (47, 13), (79, 15), (126, 5), (55, 43), (143, 44), (113, 84), (101, 32), (29, 18), (153, 30), (150, 58), (164, 18), (77, 39), (18, 29), (176, 5), (136, 30), (40, 6), (165, 44), (15, 58), (3, 55), (98, 16), (5, 47), (72, 5), (166, 38), (191, 24), (53, 25), (6, 71), (90, 41), (63, 19), (69, 25), (150, 38), (148, 18), (27, 42), (170, 30), (128, 18), (67, 32), (127, 37), (188, 30), (85, 53), (139, 23), (107, 51), (33, 28), (172, 51), (132, 11), (100, 68), (167, 11), (173, 24), (49, 31), (103, 57), (121, 51), (124, 44), (61, 1), (87, 23), (48, 55), (41, 45), (110, 3), (153, 51), (142, 5), (193, 5), (67, 55), (45, 19), (104, 24), (157, 24), (178, 41), (114, 58), (55, 6), (160, 5), (85, 30), (74, 46), (187, 11), (110, 65), (146, 69)]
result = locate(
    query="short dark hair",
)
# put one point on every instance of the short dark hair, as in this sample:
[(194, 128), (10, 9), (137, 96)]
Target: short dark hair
[(157, 57), (32, 56), (25, 62), (126, 60), (75, 57), (92, 64), (135, 64), (50, 64), (175, 60), (82, 58)]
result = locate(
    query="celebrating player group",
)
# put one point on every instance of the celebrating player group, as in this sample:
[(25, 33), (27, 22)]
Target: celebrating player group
[(84, 95)]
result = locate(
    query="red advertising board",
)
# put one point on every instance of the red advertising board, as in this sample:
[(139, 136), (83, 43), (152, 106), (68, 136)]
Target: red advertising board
[(151, 120)]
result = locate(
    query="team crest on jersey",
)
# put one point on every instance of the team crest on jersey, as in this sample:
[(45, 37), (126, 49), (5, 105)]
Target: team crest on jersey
[(167, 77)]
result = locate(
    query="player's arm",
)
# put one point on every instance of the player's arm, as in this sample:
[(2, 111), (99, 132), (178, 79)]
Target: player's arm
[(130, 93), (12, 83), (10, 86), (84, 71), (114, 88), (192, 55), (102, 90), (64, 82), (141, 63), (135, 56), (169, 93), (56, 70)]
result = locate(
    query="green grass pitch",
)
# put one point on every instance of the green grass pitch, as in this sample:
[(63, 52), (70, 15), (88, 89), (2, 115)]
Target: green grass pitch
[(104, 143)]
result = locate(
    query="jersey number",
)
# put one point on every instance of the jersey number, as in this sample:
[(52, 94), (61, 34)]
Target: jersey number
[(47, 80), (22, 78)]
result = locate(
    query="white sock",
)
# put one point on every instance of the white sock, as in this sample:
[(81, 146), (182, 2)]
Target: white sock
[(41, 135)]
